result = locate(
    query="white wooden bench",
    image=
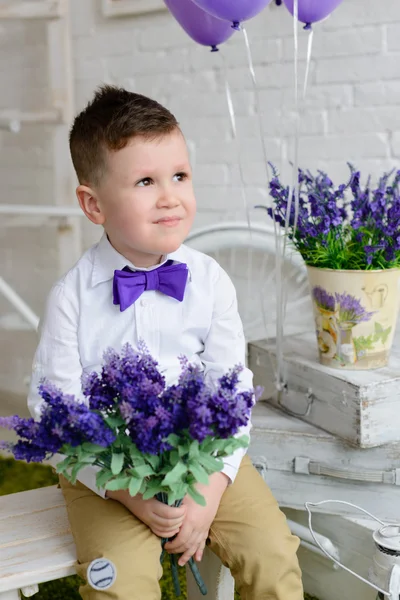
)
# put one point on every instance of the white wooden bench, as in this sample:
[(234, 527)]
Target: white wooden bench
[(36, 545)]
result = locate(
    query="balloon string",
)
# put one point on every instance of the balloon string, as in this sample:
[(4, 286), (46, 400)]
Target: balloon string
[(277, 232), (232, 117), (309, 54), (295, 191)]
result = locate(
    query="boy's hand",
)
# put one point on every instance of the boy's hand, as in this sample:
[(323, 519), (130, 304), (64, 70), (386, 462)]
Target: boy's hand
[(164, 521), (193, 534)]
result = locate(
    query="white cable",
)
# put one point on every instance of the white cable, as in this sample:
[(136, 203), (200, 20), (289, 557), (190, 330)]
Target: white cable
[(308, 504)]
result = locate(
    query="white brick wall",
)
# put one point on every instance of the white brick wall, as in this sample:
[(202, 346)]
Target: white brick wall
[(351, 112)]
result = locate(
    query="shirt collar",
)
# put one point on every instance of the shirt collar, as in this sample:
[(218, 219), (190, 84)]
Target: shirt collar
[(107, 260)]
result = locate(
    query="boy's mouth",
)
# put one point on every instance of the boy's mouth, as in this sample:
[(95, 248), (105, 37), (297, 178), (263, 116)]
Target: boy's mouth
[(169, 221)]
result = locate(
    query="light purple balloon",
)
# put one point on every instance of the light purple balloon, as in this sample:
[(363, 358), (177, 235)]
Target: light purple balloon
[(311, 11), (233, 10), (199, 25)]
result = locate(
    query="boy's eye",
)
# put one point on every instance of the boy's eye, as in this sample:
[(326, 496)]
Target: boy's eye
[(145, 182), (180, 176)]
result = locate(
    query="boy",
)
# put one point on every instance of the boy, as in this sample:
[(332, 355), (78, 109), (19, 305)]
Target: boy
[(138, 282)]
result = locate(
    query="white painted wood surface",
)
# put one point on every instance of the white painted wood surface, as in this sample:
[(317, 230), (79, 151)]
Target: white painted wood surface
[(290, 453), (35, 540), (362, 407)]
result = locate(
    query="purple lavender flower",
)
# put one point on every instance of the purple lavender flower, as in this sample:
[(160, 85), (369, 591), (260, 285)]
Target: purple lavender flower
[(62, 421), (323, 299), (131, 392), (351, 309), (346, 227), (121, 378)]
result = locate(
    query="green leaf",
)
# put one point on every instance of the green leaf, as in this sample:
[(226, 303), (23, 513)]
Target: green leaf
[(176, 493), (102, 477), (194, 450), (211, 464), (244, 440), (92, 448), (68, 450), (75, 470), (143, 471), (134, 452), (197, 497), (114, 422), (153, 460), (88, 459), (174, 440), (173, 457), (152, 488), (182, 450), (199, 473), (134, 486), (117, 462), (175, 475), (63, 464), (119, 483)]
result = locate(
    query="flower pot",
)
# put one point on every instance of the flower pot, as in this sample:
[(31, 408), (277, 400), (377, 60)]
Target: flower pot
[(355, 315)]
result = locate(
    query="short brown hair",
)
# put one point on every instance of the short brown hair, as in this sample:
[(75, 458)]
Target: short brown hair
[(108, 122)]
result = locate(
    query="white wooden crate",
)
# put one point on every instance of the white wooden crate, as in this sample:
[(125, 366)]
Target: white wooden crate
[(362, 407), (301, 462)]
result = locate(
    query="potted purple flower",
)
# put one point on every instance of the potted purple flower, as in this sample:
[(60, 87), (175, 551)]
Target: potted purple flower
[(349, 238)]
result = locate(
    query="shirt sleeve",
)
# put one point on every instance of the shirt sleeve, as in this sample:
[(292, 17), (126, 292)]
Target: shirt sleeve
[(224, 348), (57, 359)]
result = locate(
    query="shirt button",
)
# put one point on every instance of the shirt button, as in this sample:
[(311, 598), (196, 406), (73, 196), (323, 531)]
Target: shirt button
[(144, 303)]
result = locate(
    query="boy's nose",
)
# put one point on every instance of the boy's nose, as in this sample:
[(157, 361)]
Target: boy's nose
[(167, 199)]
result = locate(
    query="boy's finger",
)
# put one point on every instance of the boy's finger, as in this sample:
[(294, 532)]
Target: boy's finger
[(186, 556), (199, 552), (167, 523), (169, 512)]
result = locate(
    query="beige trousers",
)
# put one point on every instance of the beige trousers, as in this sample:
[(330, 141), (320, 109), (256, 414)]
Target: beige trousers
[(249, 534)]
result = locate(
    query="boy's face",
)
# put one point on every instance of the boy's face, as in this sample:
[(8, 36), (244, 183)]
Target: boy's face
[(146, 198)]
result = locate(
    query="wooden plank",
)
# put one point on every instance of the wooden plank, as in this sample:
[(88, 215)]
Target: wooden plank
[(27, 564), (30, 502), (36, 544), (361, 407), (41, 9), (33, 527)]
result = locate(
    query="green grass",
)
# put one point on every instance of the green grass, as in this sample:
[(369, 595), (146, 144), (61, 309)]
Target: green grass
[(17, 476)]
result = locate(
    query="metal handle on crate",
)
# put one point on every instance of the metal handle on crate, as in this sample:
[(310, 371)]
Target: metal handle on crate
[(310, 467)]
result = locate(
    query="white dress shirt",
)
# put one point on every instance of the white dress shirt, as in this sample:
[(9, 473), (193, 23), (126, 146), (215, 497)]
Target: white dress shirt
[(81, 322)]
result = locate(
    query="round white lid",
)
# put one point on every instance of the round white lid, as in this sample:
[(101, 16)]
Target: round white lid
[(388, 537)]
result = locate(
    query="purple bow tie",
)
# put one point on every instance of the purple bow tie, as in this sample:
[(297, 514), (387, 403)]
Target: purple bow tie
[(169, 279)]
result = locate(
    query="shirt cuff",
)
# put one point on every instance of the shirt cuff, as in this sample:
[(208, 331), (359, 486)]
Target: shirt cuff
[(232, 464)]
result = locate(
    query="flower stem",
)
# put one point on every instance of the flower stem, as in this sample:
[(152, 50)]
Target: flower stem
[(197, 576), (175, 575)]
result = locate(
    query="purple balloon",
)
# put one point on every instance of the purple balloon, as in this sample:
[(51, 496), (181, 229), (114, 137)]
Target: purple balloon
[(311, 11), (233, 10), (199, 25)]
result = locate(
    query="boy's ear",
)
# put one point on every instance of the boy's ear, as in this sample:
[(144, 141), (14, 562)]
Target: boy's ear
[(89, 204)]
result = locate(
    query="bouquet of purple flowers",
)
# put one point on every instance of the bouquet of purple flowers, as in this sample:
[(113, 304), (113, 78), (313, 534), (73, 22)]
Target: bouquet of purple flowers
[(350, 227), (143, 436)]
